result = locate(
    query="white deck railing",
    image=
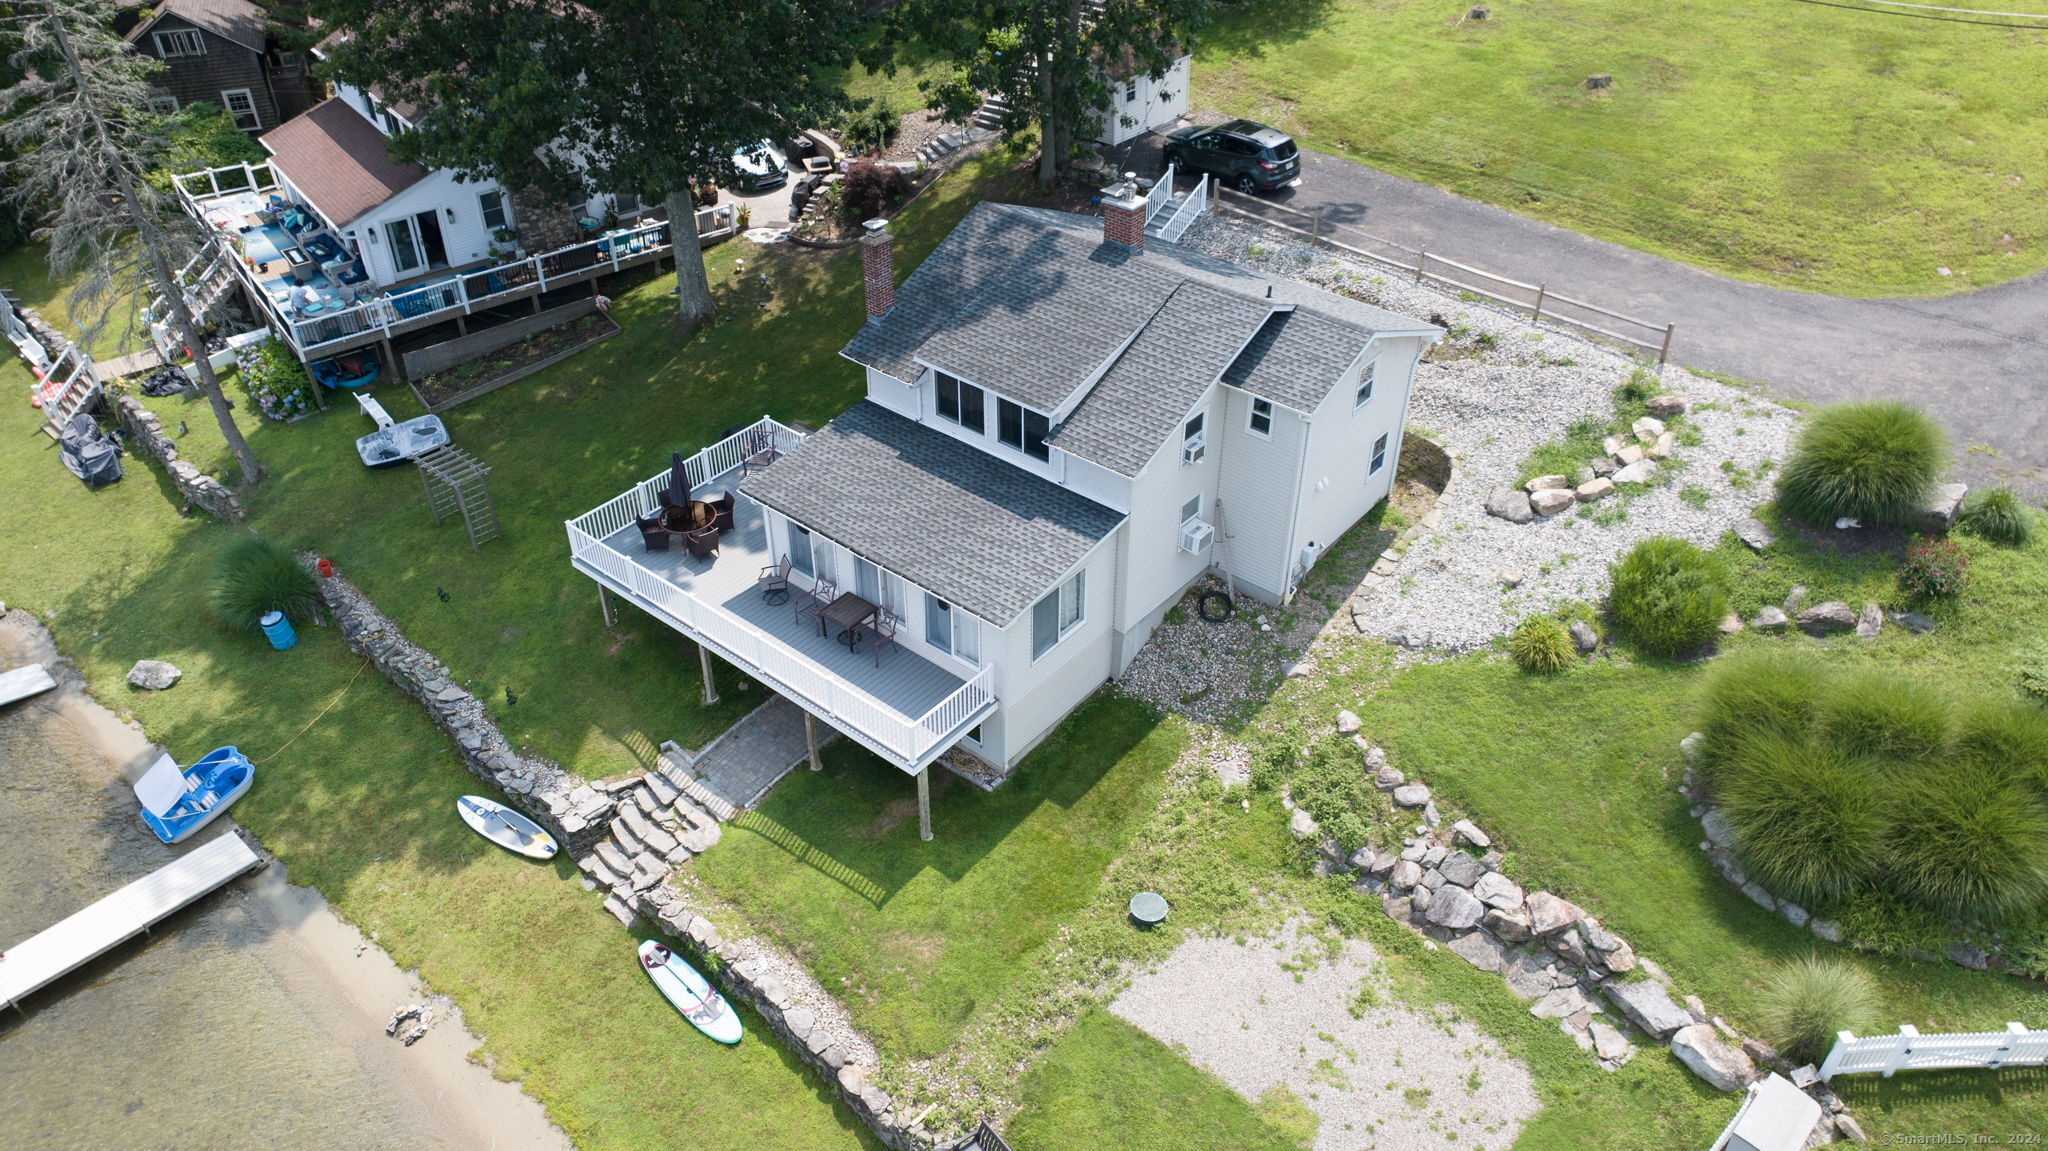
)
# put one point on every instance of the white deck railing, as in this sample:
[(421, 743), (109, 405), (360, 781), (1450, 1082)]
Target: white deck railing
[(1911, 1051), (1160, 196), (908, 739), (1190, 210)]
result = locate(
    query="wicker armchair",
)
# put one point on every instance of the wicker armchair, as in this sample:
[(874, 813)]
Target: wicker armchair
[(723, 518), (653, 534), (702, 543)]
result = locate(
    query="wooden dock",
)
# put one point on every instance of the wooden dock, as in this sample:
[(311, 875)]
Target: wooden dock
[(23, 682), (54, 952)]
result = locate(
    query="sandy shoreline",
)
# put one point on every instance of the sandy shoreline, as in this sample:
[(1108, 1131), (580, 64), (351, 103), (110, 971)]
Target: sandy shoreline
[(347, 986)]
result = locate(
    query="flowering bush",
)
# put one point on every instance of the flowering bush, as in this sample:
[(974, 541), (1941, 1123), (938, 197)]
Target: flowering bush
[(275, 380), (1935, 568)]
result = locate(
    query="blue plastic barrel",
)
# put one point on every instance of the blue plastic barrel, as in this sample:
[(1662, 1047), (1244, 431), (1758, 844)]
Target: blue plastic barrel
[(278, 630)]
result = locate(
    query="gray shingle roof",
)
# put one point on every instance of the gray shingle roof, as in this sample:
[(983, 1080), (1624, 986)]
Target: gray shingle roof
[(972, 529), (1030, 302)]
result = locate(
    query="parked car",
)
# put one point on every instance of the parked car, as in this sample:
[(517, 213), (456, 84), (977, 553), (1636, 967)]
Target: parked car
[(1247, 156), (762, 166)]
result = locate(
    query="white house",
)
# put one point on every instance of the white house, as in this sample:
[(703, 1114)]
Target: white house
[(1059, 413), (1141, 104)]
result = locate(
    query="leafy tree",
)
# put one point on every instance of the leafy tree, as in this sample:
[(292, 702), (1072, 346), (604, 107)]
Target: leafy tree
[(602, 95), (1050, 59), (84, 139)]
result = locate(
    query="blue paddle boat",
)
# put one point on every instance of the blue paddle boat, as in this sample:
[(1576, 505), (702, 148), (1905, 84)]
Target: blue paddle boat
[(176, 802), (351, 371)]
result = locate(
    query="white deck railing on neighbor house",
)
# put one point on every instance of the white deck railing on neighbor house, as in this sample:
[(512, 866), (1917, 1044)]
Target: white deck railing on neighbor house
[(908, 740), (461, 292), (1911, 1051)]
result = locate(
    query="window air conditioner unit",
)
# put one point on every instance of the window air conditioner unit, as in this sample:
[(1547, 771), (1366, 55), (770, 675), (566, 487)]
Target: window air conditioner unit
[(1195, 536), (1191, 450)]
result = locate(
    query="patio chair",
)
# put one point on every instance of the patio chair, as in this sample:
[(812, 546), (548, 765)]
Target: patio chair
[(702, 544), (760, 451), (774, 581), (884, 633), (653, 534), (724, 518), (814, 601)]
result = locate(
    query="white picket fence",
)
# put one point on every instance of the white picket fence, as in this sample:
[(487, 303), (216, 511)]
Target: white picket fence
[(1911, 1051)]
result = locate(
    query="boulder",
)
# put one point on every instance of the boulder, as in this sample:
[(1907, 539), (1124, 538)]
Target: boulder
[(1938, 513), (1721, 1064), (1549, 914), (1612, 445), (1826, 929), (1647, 1005), (1455, 908), (1647, 429), (1583, 637), (1387, 778), (1598, 488), (1470, 833), (1664, 446), (1610, 1044), (1507, 578), (1497, 890), (1751, 530), (1432, 878), (1462, 869), (1510, 925), (1551, 501), (1479, 949), (1913, 622), (1629, 454), (1760, 896), (1411, 795), (1422, 898), (153, 675), (1603, 466), (1569, 946), (1770, 619), (1597, 937), (1529, 974), (1545, 483), (1730, 624), (1719, 831), (1622, 958), (1362, 860), (1302, 824), (1795, 599), (1510, 504), (1794, 914), (1689, 747), (1665, 407), (1828, 618), (1869, 622), (1348, 722), (1560, 1003), (1638, 472), (1407, 873)]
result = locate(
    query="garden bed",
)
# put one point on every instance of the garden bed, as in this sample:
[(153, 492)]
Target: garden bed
[(512, 363)]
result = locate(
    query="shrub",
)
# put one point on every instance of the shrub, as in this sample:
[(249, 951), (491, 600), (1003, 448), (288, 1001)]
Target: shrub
[(1972, 839), (1331, 785), (1668, 595), (1542, 643), (1886, 922), (1870, 461), (275, 379), (1271, 764), (1934, 568), (257, 575), (870, 128), (1810, 821), (1759, 692), (1806, 1001), (1883, 715), (871, 188), (1997, 514)]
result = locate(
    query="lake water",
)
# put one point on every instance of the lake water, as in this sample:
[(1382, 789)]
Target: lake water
[(204, 1035)]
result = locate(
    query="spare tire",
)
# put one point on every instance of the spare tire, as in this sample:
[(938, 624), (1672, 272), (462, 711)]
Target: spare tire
[(1214, 606)]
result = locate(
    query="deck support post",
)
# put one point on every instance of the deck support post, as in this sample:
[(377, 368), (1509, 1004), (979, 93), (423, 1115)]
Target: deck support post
[(924, 804), (604, 601), (811, 739), (710, 685)]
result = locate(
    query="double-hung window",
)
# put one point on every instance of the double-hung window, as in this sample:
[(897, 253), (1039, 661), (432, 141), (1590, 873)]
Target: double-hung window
[(1379, 454), (1022, 428), (1191, 510), (1194, 439), (242, 106), (1130, 91), (163, 105), (1365, 384), (182, 43), (1060, 612), (1261, 421), (962, 403), (493, 207)]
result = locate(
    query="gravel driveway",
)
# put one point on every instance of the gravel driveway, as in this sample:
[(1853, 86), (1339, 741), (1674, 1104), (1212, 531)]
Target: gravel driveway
[(1489, 411), (1278, 1012)]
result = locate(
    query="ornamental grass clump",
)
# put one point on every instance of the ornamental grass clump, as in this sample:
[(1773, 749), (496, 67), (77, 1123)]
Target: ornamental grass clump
[(1806, 1001), (1885, 716), (1872, 462), (1997, 514), (1668, 595), (1542, 644), (1811, 819), (1760, 692), (1972, 839), (257, 575), (2007, 732)]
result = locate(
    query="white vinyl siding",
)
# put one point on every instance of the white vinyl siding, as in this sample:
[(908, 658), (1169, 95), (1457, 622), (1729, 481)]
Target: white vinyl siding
[(184, 42), (1345, 456), (465, 238), (1257, 482)]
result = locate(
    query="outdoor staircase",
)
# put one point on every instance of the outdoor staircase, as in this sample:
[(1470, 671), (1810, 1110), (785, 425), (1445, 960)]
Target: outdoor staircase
[(70, 387), (1156, 226)]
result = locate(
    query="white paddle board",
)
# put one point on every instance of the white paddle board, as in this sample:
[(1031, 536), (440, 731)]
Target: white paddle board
[(505, 827), (690, 992)]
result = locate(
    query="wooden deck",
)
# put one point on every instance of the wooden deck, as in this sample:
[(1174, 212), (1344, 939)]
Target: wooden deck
[(54, 952), (905, 681)]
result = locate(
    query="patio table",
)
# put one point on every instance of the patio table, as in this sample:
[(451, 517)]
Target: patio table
[(850, 612)]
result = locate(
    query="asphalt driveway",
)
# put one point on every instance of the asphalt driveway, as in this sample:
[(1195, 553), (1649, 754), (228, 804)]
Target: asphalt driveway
[(1979, 362)]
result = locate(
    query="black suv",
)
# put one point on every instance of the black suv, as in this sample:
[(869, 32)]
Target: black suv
[(1246, 156)]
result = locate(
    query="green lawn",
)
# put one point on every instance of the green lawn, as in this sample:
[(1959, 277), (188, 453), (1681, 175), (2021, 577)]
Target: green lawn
[(914, 936), (25, 274), (1801, 145)]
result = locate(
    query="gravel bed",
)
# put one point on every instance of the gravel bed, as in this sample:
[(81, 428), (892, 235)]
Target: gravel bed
[(1281, 1012), (1208, 671), (1489, 409)]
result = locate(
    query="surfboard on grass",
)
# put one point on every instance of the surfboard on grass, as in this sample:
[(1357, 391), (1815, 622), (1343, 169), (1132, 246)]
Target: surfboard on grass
[(690, 993), (505, 827)]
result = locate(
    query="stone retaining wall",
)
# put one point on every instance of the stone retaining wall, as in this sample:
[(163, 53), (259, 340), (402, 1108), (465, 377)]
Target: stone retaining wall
[(197, 488)]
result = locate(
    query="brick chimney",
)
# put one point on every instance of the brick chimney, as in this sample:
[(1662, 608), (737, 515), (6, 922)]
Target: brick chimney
[(878, 267), (1123, 214)]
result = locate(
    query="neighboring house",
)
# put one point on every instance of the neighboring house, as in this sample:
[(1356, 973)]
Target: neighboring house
[(1066, 426), (222, 52), (1139, 104)]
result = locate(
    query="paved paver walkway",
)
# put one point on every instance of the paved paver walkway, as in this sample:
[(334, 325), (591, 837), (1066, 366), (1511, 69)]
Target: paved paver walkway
[(1979, 362), (754, 754)]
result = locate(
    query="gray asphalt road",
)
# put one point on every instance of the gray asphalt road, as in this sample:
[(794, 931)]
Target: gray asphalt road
[(1979, 362)]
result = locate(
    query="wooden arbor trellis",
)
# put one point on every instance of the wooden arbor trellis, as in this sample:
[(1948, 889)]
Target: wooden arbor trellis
[(456, 481)]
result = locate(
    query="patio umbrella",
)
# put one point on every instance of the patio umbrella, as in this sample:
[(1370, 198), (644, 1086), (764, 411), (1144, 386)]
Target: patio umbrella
[(678, 482)]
